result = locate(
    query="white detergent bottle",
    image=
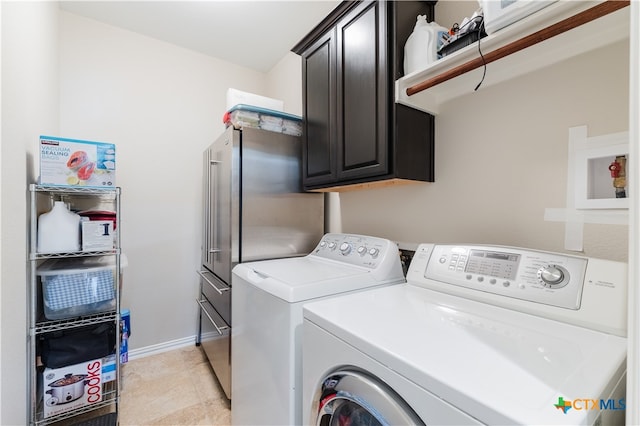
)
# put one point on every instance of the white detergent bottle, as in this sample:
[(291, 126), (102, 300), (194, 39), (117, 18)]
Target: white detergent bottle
[(421, 48), (437, 33), (58, 230)]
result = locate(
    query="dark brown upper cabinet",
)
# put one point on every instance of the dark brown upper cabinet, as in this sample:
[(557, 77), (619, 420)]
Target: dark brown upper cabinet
[(354, 134)]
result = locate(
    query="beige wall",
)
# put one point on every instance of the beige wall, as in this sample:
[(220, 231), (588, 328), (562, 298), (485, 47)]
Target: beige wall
[(162, 106), (29, 108), (284, 82), (501, 159), (450, 11)]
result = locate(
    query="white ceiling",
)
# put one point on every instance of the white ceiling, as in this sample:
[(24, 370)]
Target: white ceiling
[(255, 34)]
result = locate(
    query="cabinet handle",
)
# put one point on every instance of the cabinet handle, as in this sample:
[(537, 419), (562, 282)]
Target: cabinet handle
[(220, 330), (203, 274)]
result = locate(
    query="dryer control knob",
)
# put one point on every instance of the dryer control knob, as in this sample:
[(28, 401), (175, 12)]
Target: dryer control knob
[(362, 250), (345, 248), (552, 276), (374, 252)]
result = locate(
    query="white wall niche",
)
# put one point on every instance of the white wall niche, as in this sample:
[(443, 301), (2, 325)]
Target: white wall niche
[(592, 156), (590, 191)]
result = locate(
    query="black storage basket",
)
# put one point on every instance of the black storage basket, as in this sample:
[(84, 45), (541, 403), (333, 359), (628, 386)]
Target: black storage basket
[(68, 347)]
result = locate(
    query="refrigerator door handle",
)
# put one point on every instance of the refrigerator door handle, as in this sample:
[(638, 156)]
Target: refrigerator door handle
[(206, 207), (203, 274), (212, 206), (219, 329)]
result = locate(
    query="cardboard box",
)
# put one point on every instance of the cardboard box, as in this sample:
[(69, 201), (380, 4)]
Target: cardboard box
[(109, 371), (125, 332), (71, 387), (73, 162), (97, 235), (237, 97)]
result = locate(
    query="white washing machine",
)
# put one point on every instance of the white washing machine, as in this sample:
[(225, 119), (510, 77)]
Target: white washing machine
[(477, 335), (266, 312)]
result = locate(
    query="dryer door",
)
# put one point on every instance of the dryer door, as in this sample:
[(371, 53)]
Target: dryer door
[(352, 397)]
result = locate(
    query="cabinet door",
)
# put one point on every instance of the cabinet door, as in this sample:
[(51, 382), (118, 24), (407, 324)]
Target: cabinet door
[(319, 104), (363, 94)]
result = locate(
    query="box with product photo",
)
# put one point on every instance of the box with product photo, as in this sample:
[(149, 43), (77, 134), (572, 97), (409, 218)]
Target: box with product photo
[(71, 387), (74, 162)]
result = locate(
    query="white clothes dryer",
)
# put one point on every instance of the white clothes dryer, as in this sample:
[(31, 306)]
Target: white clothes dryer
[(477, 335), (266, 311)]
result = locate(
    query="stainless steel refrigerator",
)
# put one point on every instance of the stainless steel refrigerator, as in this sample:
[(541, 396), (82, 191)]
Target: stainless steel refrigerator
[(254, 209)]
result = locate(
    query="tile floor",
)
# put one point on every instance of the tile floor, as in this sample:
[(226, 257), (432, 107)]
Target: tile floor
[(172, 388)]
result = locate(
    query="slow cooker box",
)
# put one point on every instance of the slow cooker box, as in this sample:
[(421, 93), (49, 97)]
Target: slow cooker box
[(71, 387)]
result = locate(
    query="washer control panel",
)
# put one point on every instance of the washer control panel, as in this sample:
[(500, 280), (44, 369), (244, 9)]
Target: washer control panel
[(542, 277), (583, 291), (360, 250)]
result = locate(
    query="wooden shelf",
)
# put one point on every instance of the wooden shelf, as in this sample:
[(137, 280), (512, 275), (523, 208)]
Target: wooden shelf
[(442, 81)]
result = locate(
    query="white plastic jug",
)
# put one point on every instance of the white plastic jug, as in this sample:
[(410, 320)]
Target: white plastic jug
[(421, 48), (58, 230)]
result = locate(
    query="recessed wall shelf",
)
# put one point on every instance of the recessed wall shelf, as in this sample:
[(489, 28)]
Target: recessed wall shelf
[(582, 207), (537, 41)]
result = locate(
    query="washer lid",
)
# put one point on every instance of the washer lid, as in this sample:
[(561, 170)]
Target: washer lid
[(303, 278), (497, 365)]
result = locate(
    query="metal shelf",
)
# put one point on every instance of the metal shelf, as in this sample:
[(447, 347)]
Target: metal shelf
[(47, 326), (110, 395), (84, 190), (39, 325), (43, 256), (558, 32)]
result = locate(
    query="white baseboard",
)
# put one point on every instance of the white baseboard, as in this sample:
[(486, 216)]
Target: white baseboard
[(162, 347)]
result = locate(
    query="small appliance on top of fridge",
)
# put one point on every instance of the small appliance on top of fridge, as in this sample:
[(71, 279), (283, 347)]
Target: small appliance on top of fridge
[(254, 209)]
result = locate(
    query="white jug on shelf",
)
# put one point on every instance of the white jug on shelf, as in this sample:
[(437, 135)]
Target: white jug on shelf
[(58, 230), (421, 48)]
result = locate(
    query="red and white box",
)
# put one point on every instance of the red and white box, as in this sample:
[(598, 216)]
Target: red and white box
[(71, 387)]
